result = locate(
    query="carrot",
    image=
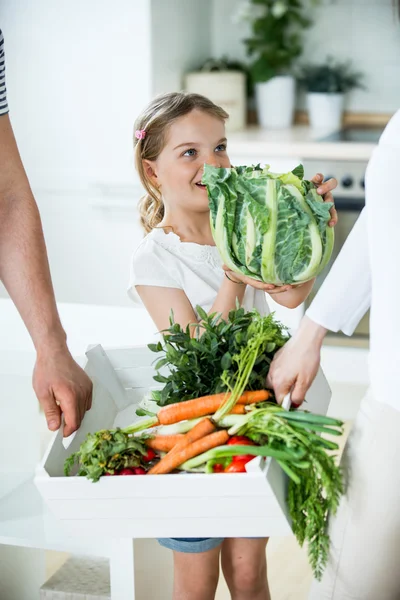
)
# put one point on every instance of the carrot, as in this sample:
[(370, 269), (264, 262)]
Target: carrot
[(199, 407), (174, 459), (239, 409), (252, 397), (164, 443), (205, 427)]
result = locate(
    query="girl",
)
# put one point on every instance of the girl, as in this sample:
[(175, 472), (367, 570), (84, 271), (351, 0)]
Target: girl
[(177, 266)]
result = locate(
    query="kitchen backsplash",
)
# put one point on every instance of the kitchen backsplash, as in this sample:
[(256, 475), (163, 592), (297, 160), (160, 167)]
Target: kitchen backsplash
[(366, 31)]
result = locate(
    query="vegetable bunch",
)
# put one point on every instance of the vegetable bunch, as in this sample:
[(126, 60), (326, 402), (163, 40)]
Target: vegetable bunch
[(197, 366), (221, 432), (109, 452)]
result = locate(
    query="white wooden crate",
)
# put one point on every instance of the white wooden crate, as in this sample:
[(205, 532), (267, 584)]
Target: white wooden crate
[(180, 505)]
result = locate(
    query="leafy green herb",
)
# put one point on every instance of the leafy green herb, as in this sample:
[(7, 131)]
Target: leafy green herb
[(196, 364)]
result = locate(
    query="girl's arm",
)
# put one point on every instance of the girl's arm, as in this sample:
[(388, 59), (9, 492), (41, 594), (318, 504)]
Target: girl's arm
[(229, 292), (159, 302), (289, 296), (294, 296)]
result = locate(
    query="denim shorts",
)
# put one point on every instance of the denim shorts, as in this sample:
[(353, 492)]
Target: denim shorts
[(190, 545)]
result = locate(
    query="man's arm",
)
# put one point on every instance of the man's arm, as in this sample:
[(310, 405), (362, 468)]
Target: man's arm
[(24, 268), (341, 302), (25, 273)]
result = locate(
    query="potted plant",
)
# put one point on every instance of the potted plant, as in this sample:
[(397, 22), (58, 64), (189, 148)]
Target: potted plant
[(326, 85), (275, 43), (224, 81)]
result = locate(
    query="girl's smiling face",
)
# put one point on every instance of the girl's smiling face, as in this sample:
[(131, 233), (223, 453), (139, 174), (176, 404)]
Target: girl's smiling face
[(192, 140)]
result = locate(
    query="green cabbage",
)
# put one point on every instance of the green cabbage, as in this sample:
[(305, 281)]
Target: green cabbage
[(270, 226)]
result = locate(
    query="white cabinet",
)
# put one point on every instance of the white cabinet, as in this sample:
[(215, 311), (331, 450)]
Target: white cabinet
[(90, 239), (77, 75)]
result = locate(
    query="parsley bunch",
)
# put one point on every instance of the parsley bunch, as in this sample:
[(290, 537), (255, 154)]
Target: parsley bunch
[(196, 364)]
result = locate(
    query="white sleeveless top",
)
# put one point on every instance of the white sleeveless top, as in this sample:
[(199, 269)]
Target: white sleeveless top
[(162, 260)]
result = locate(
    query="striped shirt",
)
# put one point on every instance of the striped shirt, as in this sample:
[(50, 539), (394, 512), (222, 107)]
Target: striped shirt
[(3, 94)]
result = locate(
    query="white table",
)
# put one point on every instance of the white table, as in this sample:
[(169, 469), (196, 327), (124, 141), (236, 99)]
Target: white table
[(25, 522)]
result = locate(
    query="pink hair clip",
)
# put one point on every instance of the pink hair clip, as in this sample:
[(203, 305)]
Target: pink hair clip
[(140, 134)]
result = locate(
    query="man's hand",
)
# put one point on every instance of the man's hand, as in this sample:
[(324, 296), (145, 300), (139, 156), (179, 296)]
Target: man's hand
[(295, 366), (61, 387)]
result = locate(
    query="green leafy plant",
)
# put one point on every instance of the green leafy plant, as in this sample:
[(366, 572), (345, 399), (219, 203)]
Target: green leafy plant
[(276, 40), (330, 77), (212, 65), (222, 64), (196, 364)]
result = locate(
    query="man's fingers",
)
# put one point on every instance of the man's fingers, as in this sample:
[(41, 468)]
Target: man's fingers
[(73, 409), (88, 394), (299, 392), (89, 400), (52, 411), (281, 386), (71, 422)]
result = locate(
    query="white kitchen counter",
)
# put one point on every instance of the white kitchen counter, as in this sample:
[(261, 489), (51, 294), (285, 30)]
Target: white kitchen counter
[(84, 323), (299, 141)]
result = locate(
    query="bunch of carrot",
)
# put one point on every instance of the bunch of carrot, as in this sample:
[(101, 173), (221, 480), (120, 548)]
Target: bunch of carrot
[(204, 436)]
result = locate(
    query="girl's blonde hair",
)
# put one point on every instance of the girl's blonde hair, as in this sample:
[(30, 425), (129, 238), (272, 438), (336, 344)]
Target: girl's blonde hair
[(152, 126)]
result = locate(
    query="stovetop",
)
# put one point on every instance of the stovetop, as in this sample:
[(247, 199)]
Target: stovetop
[(368, 135)]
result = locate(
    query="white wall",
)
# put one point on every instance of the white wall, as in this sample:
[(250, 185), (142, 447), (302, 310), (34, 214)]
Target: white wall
[(181, 40), (77, 74), (362, 30)]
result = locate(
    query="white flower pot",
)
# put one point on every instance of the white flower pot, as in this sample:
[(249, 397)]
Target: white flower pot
[(325, 111), (275, 102), (225, 88)]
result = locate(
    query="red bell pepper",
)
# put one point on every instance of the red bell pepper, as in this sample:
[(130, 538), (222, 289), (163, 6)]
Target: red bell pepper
[(241, 440), (238, 466), (218, 468)]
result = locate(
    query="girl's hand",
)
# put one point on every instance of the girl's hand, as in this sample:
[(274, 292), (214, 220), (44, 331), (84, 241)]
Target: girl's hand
[(325, 189), (259, 285)]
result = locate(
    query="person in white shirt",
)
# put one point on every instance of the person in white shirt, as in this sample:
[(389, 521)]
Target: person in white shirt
[(177, 266), (365, 534)]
